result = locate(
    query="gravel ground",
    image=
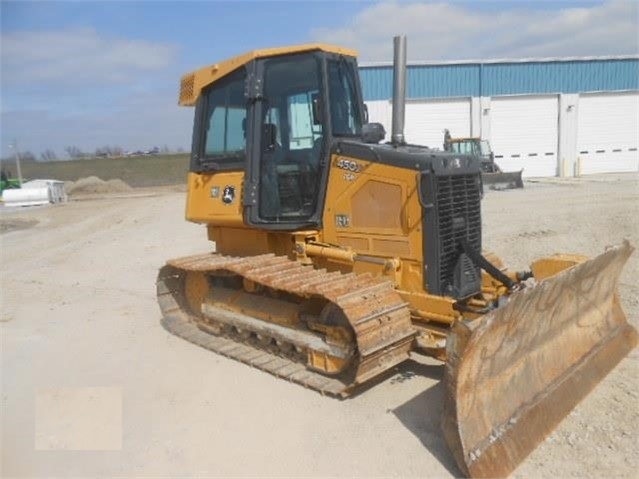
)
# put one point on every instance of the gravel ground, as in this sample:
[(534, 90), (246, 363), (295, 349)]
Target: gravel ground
[(92, 385)]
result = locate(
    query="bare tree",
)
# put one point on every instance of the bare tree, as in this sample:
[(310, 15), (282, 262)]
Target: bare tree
[(109, 151), (27, 156), (103, 152), (74, 152), (117, 151), (48, 155)]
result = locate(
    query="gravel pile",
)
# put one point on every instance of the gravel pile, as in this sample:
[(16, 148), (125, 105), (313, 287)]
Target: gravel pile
[(95, 185)]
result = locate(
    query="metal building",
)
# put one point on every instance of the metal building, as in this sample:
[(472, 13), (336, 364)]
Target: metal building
[(551, 117)]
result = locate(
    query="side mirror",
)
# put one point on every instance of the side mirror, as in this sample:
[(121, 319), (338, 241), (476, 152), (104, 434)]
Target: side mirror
[(365, 113), (373, 132)]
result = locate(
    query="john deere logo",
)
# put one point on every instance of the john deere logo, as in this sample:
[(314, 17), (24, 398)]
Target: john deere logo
[(228, 195)]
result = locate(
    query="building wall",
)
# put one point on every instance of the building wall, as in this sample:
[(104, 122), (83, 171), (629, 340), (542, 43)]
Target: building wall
[(477, 79), (431, 82), (545, 139), (560, 77), (568, 110)]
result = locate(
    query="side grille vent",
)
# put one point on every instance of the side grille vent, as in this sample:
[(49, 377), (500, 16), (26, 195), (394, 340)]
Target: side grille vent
[(186, 90), (459, 216)]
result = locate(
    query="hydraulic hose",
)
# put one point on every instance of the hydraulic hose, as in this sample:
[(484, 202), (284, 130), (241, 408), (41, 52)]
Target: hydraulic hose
[(486, 265)]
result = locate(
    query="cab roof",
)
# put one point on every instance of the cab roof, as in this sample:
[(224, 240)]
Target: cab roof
[(192, 83)]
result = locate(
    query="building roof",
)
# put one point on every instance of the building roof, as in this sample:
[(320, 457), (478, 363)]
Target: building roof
[(501, 60)]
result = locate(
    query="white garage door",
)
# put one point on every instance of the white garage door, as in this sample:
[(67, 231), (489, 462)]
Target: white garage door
[(425, 121), (608, 132), (524, 133)]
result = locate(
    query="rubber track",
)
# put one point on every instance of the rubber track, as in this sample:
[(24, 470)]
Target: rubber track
[(378, 315)]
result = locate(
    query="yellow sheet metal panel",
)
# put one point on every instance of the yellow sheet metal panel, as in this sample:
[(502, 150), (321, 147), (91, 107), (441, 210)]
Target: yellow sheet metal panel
[(374, 208), (205, 198), (192, 83), (546, 267), (376, 204), (357, 191)]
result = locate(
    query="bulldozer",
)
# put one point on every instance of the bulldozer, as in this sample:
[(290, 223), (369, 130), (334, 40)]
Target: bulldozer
[(338, 256), (492, 174)]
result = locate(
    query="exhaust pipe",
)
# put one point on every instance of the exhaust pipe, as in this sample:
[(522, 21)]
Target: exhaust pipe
[(399, 90)]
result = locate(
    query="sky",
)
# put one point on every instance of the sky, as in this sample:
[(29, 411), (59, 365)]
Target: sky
[(106, 73)]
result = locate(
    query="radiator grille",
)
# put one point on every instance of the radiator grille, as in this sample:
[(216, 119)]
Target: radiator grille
[(458, 206)]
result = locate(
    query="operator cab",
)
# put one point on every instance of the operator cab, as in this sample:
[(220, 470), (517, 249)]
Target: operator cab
[(275, 118), (472, 146)]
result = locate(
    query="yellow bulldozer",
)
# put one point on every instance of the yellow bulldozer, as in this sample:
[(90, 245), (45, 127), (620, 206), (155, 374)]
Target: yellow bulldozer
[(491, 174), (337, 256)]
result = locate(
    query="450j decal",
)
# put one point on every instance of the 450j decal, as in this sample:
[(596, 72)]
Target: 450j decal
[(348, 165)]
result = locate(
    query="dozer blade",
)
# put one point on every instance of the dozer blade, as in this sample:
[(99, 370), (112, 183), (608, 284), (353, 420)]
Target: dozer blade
[(512, 375), (503, 180)]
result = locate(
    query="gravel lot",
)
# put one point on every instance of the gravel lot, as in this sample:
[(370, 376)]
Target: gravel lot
[(92, 385)]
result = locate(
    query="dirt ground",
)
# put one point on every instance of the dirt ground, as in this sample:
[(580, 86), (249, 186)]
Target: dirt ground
[(81, 338)]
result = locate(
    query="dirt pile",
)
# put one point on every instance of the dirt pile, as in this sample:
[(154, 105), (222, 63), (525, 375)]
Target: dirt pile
[(94, 185)]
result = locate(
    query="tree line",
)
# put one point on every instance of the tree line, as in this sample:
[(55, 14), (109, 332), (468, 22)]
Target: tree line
[(75, 153)]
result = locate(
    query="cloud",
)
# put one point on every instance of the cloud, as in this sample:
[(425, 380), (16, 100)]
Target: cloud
[(78, 57), (447, 31), (84, 88)]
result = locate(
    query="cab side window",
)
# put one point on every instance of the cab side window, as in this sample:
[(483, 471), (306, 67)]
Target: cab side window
[(225, 138)]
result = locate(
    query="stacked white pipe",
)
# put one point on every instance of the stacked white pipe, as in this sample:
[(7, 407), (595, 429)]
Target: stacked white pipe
[(35, 193)]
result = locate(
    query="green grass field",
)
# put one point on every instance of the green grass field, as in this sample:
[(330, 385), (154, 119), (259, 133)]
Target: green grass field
[(137, 171)]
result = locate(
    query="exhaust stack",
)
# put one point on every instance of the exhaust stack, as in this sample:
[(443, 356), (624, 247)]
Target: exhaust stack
[(399, 90)]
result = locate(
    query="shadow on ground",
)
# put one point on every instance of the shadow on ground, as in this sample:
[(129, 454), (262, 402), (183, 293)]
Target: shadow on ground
[(422, 414), (14, 224)]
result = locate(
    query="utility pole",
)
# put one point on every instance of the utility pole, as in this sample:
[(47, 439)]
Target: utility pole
[(17, 153)]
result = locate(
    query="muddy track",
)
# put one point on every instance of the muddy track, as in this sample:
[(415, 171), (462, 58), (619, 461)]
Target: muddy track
[(378, 316)]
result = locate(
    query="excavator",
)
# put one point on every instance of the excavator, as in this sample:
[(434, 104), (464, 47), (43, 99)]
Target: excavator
[(491, 174), (338, 256)]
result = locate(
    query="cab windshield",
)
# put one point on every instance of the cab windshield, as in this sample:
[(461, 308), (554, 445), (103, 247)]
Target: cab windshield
[(465, 147)]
